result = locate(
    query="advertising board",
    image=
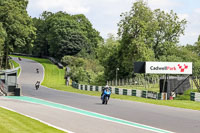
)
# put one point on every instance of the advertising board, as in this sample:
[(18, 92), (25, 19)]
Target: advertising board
[(168, 67)]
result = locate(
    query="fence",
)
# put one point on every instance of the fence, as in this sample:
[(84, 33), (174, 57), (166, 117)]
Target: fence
[(147, 82), (120, 91)]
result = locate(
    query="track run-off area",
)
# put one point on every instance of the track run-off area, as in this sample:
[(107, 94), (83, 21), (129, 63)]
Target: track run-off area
[(85, 114)]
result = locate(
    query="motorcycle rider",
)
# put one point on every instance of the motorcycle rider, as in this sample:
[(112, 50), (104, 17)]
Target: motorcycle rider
[(105, 88), (37, 85), (37, 70)]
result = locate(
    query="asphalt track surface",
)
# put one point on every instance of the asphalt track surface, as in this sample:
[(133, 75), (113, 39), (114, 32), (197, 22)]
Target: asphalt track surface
[(163, 117)]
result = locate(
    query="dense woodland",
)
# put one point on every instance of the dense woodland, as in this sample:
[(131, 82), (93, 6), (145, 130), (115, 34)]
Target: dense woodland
[(143, 35)]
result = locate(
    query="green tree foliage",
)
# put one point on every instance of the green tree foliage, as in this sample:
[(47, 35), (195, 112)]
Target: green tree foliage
[(196, 47), (107, 54), (41, 46), (135, 31), (168, 29), (64, 34), (18, 26), (145, 35), (85, 71), (72, 61), (2, 40), (92, 36), (107, 49)]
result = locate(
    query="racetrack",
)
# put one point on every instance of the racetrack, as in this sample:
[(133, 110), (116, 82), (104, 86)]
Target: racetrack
[(163, 117)]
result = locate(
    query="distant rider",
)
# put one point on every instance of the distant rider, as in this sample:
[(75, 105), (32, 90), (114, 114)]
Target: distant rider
[(37, 85), (19, 59), (37, 70)]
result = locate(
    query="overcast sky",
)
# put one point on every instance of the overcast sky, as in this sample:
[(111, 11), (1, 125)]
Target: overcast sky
[(105, 14)]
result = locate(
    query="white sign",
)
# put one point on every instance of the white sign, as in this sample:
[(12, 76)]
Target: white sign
[(169, 67)]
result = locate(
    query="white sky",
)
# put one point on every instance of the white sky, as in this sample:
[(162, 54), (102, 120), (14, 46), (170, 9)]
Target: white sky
[(105, 14)]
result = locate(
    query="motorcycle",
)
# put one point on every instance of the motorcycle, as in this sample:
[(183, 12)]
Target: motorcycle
[(37, 70), (105, 97), (19, 59)]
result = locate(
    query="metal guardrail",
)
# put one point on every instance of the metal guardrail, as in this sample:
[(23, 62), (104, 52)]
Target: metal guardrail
[(121, 91)]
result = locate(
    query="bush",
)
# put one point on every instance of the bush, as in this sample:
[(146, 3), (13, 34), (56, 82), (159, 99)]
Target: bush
[(72, 61), (186, 95), (85, 71)]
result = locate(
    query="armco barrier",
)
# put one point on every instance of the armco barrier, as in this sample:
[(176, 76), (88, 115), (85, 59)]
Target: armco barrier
[(144, 94), (134, 92), (130, 92), (195, 96), (125, 92), (152, 95), (91, 88), (96, 88), (116, 90)]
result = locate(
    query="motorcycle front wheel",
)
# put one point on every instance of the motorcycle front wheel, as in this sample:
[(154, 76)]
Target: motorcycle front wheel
[(106, 100)]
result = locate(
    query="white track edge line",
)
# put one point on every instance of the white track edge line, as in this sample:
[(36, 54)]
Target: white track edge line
[(99, 117), (37, 120)]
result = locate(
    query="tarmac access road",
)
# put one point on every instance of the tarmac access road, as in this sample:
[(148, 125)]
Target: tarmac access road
[(162, 117)]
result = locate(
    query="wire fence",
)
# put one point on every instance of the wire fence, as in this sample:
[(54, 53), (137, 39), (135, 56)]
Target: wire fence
[(145, 82), (148, 83)]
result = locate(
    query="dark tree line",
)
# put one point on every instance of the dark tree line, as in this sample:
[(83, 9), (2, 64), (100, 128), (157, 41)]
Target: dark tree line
[(60, 34), (16, 29)]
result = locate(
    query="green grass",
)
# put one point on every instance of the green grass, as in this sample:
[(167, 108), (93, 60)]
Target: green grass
[(54, 78), (12, 122), (186, 95), (15, 66)]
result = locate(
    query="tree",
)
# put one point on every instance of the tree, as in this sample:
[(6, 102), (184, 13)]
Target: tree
[(18, 26), (135, 31), (63, 34), (2, 40), (87, 71), (93, 37), (197, 46), (168, 30), (41, 46), (146, 35), (107, 54), (107, 49)]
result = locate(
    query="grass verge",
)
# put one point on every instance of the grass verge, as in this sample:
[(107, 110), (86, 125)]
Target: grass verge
[(15, 66), (54, 78), (12, 122)]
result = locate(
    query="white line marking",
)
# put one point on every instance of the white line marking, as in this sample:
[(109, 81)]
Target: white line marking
[(99, 117), (37, 119)]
